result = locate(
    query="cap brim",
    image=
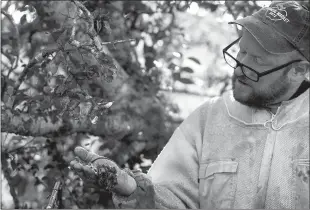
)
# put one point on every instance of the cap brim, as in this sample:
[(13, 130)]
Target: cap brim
[(269, 38)]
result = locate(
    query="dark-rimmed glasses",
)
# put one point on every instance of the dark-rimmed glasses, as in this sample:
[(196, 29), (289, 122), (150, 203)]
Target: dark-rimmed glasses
[(249, 72)]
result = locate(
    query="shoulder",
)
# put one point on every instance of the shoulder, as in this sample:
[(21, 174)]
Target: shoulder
[(211, 105), (197, 119)]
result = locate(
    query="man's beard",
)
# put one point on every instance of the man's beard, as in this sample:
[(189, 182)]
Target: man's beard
[(263, 97)]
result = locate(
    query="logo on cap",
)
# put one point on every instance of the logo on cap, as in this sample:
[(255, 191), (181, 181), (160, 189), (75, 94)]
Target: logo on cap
[(277, 12)]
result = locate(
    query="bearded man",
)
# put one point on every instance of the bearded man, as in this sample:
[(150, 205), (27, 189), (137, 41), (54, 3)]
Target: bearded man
[(246, 149)]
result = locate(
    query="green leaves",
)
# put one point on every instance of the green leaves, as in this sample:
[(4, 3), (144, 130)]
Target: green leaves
[(107, 27), (186, 80), (23, 19), (8, 97)]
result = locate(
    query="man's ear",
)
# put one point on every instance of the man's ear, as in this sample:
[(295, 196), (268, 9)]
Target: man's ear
[(299, 71)]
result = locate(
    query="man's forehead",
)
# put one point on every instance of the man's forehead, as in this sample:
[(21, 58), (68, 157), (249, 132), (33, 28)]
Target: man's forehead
[(248, 39), (250, 44)]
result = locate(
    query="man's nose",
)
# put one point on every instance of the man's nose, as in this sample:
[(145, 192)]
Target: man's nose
[(238, 71)]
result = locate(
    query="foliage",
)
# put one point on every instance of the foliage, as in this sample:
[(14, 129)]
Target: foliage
[(57, 87)]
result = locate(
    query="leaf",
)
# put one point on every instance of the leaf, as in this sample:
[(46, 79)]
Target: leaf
[(85, 108), (31, 9), (37, 181), (187, 69), (48, 166), (107, 105), (109, 79), (75, 95), (81, 75), (44, 178), (63, 38), (20, 101), (195, 60), (186, 81), (10, 90), (73, 104), (10, 55), (75, 113), (60, 78), (23, 19), (61, 103), (106, 61), (45, 105), (107, 26), (14, 165), (52, 68), (98, 25), (176, 75), (93, 71), (24, 8), (94, 120), (34, 166), (38, 97), (54, 118), (172, 66), (75, 59), (57, 33), (47, 89), (8, 100), (60, 90), (17, 138)]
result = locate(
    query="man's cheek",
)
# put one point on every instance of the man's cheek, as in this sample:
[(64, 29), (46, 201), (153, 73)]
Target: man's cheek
[(233, 79)]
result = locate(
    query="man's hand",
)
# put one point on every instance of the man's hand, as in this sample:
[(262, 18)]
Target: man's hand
[(90, 167)]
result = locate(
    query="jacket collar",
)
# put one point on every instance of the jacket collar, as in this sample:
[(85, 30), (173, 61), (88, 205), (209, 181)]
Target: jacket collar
[(289, 111)]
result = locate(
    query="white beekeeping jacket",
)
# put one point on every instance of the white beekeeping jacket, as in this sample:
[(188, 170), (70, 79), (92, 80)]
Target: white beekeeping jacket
[(228, 155)]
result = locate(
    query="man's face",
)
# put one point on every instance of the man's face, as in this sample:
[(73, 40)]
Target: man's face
[(269, 88)]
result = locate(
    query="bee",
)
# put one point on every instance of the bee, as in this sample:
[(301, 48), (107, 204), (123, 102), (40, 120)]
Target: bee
[(106, 176)]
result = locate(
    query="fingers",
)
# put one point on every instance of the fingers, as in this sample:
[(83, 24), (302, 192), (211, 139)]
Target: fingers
[(77, 168), (85, 155), (83, 171), (89, 173), (75, 165)]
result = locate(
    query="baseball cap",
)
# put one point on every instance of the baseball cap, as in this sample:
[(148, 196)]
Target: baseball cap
[(280, 28)]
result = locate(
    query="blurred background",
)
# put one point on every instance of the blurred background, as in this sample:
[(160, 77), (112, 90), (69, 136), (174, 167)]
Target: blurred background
[(122, 97)]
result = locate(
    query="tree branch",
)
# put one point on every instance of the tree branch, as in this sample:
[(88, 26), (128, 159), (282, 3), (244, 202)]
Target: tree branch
[(90, 20), (6, 172), (17, 37), (14, 66), (118, 124)]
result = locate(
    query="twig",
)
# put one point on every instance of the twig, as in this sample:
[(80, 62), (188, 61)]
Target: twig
[(12, 150), (91, 31), (118, 41), (73, 31)]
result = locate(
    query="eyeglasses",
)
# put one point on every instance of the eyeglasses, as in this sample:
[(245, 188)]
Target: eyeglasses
[(246, 70)]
